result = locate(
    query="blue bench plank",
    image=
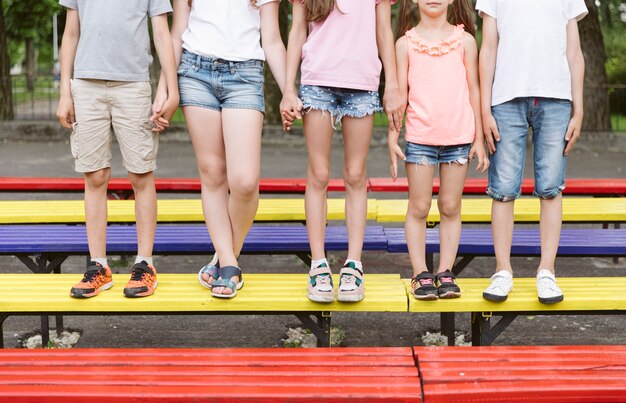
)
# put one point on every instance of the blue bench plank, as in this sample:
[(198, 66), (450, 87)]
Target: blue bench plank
[(172, 239), (478, 241)]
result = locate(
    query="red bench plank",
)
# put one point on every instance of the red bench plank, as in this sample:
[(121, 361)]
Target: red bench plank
[(592, 187), (130, 375), (520, 374), (174, 185), (575, 186)]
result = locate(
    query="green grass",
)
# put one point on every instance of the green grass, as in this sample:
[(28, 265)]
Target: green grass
[(618, 122)]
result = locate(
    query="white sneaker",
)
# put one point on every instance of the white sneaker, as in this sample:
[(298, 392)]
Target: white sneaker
[(501, 286), (548, 290)]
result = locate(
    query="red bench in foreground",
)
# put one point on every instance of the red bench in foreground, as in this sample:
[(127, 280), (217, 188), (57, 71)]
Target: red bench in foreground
[(431, 374), (122, 188)]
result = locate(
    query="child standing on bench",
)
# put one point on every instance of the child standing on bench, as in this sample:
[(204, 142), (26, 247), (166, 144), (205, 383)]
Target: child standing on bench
[(438, 75), (340, 75), (217, 44), (530, 77), (106, 45)]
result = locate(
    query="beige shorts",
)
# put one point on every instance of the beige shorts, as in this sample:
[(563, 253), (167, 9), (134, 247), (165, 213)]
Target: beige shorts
[(106, 107)]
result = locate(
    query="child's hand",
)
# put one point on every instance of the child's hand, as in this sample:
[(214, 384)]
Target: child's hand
[(163, 109), (290, 109), (573, 132), (394, 152), (392, 104), (65, 111), (478, 151), (490, 129)]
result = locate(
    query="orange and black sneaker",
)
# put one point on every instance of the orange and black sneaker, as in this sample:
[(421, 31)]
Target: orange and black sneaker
[(97, 278), (143, 280)]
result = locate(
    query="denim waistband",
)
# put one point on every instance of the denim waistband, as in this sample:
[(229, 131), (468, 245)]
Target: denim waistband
[(212, 63)]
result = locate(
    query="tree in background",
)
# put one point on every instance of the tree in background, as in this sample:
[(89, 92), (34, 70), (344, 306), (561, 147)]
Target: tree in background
[(6, 96), (273, 95), (596, 98), (30, 23)]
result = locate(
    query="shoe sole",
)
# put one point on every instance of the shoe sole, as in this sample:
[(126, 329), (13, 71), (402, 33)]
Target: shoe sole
[(350, 298), (551, 300), (96, 292), (321, 298), (142, 294), (494, 298), (450, 295), (428, 297), (228, 296)]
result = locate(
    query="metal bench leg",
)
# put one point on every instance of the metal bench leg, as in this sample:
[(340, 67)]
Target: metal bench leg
[(45, 331), (320, 328), (2, 319), (483, 334), (448, 327)]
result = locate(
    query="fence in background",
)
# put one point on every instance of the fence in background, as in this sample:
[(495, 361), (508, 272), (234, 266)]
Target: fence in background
[(41, 103)]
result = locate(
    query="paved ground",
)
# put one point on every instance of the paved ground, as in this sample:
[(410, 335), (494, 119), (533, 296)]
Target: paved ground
[(286, 157)]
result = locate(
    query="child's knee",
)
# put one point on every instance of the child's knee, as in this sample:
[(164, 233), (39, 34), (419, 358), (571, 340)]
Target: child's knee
[(98, 178), (418, 210), (449, 207)]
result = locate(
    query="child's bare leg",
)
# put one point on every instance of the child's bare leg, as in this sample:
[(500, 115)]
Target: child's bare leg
[(318, 131), (550, 228), (449, 202), (502, 231), (145, 211), (96, 211), (420, 178), (357, 135), (205, 129)]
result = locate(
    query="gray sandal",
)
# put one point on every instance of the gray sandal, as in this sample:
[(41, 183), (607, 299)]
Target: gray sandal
[(226, 273)]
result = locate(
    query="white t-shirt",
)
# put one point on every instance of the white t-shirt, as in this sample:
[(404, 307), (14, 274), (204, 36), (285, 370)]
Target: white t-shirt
[(531, 59), (225, 29)]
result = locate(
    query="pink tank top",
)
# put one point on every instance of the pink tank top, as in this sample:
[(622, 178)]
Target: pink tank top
[(439, 111)]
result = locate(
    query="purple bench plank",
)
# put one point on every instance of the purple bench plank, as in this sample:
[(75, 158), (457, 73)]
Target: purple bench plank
[(478, 241), (173, 239)]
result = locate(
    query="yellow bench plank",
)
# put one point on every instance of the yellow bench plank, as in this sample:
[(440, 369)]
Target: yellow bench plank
[(21, 293), (183, 210), (575, 209), (608, 294)]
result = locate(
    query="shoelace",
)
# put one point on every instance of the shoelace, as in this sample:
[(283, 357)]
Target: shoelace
[(89, 276), (137, 274)]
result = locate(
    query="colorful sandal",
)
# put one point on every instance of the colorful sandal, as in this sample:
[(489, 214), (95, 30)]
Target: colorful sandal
[(226, 273), (213, 271)]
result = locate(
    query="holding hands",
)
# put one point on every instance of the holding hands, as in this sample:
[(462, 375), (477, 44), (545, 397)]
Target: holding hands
[(290, 109)]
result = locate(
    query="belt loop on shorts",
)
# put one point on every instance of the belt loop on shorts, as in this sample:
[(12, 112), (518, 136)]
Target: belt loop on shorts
[(232, 67), (198, 62)]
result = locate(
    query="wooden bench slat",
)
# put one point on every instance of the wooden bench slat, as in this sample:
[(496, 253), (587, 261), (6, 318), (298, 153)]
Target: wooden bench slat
[(250, 374), (513, 373), (608, 295), (479, 241), (183, 210), (170, 239), (478, 186), (188, 210), (182, 293), (526, 210)]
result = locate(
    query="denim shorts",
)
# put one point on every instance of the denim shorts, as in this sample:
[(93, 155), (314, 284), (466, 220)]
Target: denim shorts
[(421, 154), (340, 102), (549, 118), (220, 84)]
